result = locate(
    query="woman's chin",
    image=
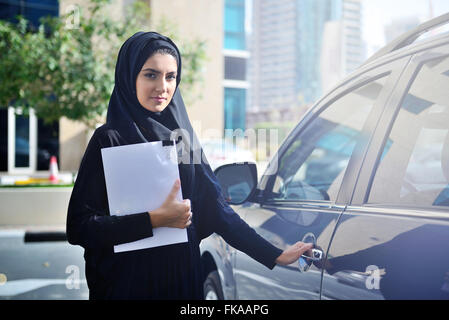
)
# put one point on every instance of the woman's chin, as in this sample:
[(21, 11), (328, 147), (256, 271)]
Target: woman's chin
[(156, 108)]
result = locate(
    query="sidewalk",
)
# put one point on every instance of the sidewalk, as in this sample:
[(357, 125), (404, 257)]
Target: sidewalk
[(37, 207)]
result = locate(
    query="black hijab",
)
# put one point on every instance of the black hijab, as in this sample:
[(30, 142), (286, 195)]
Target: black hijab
[(137, 124)]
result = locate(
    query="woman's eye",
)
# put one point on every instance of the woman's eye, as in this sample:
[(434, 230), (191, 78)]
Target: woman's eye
[(171, 77), (150, 75)]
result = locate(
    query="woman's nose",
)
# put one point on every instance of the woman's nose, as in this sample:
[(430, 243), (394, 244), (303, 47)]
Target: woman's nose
[(161, 85)]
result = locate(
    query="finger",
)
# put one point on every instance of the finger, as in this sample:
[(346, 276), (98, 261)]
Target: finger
[(299, 245), (305, 247), (186, 217), (187, 204), (188, 222), (174, 190)]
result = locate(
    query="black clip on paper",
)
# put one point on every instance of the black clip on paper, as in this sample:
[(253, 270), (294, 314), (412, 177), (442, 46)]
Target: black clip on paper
[(166, 143), (170, 142)]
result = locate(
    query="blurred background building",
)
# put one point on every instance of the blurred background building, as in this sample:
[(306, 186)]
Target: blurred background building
[(299, 48), (399, 26), (267, 61), (236, 57)]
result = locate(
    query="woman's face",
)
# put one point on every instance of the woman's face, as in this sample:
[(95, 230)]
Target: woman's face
[(156, 82)]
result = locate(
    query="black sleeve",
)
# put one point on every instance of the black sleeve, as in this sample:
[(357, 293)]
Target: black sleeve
[(88, 221), (217, 216), (241, 236)]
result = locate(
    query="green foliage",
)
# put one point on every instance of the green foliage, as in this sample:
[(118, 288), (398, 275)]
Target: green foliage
[(66, 67)]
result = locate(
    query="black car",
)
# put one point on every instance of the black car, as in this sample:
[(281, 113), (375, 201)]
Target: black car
[(365, 177)]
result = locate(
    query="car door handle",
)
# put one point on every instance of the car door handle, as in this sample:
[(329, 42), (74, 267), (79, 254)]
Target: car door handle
[(317, 255)]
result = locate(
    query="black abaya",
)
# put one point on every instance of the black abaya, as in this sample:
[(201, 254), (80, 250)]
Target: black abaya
[(167, 272)]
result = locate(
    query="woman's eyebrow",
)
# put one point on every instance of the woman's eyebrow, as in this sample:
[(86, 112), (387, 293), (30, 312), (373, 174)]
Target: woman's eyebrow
[(150, 69), (157, 71)]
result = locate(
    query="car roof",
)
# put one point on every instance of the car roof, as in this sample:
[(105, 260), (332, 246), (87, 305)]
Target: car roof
[(410, 37)]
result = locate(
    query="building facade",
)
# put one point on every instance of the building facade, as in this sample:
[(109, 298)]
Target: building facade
[(312, 17), (293, 41), (236, 56), (400, 26), (353, 46), (343, 49), (200, 19), (27, 144)]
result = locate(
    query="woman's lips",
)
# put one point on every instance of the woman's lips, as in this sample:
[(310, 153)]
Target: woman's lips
[(159, 99)]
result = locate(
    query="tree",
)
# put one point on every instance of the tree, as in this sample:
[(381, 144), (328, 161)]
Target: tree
[(65, 67)]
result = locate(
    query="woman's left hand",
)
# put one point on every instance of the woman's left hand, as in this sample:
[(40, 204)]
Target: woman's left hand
[(292, 254)]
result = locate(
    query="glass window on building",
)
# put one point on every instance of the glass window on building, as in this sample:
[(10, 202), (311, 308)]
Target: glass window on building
[(32, 10), (3, 139), (234, 102), (27, 154), (47, 143), (234, 25), (235, 68)]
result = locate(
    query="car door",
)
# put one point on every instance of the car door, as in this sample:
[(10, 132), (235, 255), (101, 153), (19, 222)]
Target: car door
[(302, 193), (392, 242)]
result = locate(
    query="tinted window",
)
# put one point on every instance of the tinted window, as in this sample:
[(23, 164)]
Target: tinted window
[(32, 10), (235, 68), (234, 103), (414, 167), (234, 24), (313, 166), (47, 143), (3, 139)]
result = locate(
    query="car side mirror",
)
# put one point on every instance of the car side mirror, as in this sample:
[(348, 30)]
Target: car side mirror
[(237, 180)]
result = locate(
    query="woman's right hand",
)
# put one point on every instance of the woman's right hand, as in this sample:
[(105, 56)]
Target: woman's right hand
[(172, 213)]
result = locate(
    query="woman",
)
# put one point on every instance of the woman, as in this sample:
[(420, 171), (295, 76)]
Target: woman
[(147, 106)]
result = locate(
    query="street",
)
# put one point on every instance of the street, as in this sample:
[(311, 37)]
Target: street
[(40, 270)]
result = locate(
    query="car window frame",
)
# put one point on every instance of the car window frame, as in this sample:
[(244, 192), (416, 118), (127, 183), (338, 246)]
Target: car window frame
[(368, 170), (390, 69)]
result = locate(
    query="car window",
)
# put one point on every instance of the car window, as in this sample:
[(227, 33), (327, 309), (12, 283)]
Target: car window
[(313, 166), (414, 166)]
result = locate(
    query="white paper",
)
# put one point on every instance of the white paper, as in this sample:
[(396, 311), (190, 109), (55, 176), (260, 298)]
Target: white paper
[(138, 178)]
